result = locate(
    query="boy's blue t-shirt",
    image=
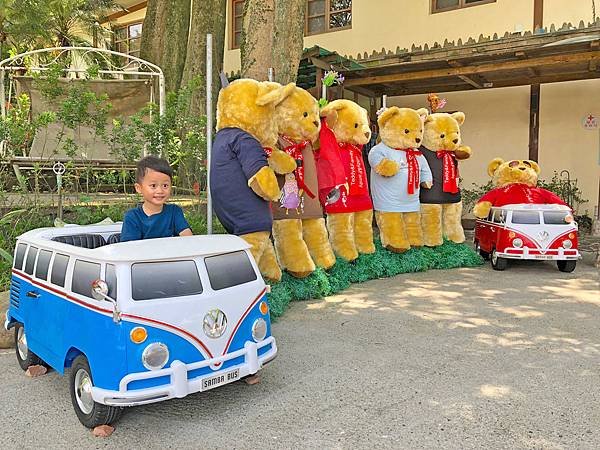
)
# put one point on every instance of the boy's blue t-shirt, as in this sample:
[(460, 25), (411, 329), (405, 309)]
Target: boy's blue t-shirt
[(167, 223)]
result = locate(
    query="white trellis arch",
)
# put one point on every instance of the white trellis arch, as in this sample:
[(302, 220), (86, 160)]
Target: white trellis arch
[(132, 66)]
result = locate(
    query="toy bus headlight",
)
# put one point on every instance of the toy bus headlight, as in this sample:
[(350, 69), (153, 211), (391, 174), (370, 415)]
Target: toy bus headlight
[(518, 242), (155, 356), (567, 243), (259, 329)]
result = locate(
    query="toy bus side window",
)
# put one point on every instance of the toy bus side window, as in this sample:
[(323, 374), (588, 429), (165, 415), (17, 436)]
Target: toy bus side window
[(490, 215), (84, 274), (20, 256), (229, 270), (41, 269), (111, 280), (30, 261), (499, 216), (59, 269)]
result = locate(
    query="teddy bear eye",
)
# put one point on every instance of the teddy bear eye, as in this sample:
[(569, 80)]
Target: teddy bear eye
[(406, 130), (305, 114), (355, 125), (442, 136)]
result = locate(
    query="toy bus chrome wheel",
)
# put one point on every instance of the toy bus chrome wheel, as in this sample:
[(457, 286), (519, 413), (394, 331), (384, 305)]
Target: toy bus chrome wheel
[(566, 265), (485, 255), (90, 413), (25, 356), (498, 263)]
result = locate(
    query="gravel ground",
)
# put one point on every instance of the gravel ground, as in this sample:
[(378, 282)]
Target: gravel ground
[(467, 358)]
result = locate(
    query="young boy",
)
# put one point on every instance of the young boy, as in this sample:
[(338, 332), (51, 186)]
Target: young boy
[(154, 218)]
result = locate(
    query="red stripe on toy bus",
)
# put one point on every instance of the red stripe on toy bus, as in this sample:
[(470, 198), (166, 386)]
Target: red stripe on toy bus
[(158, 322), (242, 319), (61, 293), (87, 305)]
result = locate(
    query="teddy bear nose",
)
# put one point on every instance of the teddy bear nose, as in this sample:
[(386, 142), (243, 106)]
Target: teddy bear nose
[(368, 134), (316, 123), (417, 140), (522, 168), (455, 141)]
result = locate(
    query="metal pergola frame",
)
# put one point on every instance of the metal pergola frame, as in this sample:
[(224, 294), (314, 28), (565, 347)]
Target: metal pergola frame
[(132, 66)]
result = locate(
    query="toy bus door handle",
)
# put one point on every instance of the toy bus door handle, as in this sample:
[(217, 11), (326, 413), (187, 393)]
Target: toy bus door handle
[(33, 294)]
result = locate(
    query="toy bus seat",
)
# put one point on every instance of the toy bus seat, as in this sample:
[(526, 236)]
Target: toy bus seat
[(114, 238), (82, 240)]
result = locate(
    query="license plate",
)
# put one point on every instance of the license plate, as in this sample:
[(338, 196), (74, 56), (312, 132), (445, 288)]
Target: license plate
[(542, 256), (220, 379)]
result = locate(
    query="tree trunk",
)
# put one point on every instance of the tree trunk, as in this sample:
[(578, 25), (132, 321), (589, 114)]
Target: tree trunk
[(257, 38), (208, 16), (288, 41), (165, 38)]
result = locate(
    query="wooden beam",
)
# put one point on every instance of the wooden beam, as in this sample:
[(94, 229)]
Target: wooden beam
[(478, 69), (362, 91), (466, 79), (125, 11), (423, 88)]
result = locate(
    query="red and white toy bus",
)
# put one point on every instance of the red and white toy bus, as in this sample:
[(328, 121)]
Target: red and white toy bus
[(528, 231)]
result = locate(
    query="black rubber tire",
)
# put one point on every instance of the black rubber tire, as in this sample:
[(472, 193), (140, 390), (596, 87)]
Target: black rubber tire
[(485, 255), (99, 414), (500, 263), (31, 359), (566, 265)]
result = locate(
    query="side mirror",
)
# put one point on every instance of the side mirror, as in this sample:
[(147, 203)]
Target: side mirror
[(99, 289), (100, 292)]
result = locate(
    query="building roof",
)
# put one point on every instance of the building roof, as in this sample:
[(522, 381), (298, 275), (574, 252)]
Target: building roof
[(549, 55)]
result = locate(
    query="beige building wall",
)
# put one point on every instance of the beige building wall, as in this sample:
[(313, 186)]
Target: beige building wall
[(564, 142)]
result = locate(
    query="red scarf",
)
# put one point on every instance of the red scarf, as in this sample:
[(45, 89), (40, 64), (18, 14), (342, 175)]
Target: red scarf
[(413, 168), (450, 171), (294, 149), (357, 182)]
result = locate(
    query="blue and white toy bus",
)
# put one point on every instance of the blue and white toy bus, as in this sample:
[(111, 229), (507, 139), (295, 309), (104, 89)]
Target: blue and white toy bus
[(137, 322)]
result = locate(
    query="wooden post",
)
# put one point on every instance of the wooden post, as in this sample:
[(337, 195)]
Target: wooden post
[(534, 90), (534, 121), (538, 15)]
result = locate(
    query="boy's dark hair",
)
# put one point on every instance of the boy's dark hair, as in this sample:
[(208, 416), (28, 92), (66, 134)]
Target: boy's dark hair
[(154, 163)]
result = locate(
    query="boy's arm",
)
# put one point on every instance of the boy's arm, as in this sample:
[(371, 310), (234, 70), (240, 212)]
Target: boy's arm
[(182, 227), (131, 230)]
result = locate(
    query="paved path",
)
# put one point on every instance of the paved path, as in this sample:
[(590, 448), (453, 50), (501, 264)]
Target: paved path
[(468, 358)]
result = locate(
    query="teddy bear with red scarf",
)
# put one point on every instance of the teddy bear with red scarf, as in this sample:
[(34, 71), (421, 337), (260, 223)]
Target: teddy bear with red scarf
[(342, 178)]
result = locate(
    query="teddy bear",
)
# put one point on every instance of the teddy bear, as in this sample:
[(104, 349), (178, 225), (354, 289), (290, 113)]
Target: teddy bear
[(342, 178), (515, 182), (243, 181), (299, 230), (441, 206), (398, 170)]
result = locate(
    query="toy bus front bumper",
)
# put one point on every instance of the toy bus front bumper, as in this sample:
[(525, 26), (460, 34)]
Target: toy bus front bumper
[(533, 253), (179, 385)]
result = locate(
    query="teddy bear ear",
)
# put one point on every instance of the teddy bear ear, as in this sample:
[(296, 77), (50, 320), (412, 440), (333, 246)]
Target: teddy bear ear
[(459, 117), (273, 93), (387, 115), (423, 113), (535, 166), (330, 112), (493, 166)]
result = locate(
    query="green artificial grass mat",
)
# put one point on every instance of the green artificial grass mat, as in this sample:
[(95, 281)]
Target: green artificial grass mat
[(381, 264)]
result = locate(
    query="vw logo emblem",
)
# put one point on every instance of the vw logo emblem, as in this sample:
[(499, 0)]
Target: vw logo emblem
[(215, 323), (543, 235)]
